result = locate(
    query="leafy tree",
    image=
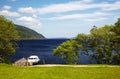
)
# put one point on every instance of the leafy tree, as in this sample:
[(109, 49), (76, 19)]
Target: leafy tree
[(104, 42), (8, 35), (100, 44), (116, 42), (82, 41), (67, 50)]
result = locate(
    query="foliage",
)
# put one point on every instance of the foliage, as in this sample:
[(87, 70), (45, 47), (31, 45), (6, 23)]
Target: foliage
[(102, 44), (8, 35), (82, 40), (26, 33), (67, 50), (116, 42)]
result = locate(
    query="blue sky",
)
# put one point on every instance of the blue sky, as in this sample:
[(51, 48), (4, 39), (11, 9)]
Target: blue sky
[(61, 18)]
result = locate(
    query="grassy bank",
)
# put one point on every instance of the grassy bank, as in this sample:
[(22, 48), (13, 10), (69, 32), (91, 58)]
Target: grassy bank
[(58, 72)]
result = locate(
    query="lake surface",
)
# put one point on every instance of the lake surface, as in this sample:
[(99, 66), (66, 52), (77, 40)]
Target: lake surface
[(44, 49)]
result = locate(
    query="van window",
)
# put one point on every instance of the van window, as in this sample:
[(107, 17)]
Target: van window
[(30, 58)]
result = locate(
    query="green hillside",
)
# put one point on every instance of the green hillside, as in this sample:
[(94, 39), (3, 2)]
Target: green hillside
[(26, 33)]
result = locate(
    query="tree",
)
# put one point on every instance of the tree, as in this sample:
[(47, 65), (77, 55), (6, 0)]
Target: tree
[(8, 36), (67, 50), (116, 42), (101, 44), (82, 41)]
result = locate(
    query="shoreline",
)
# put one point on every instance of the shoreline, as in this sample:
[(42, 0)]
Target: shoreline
[(62, 65)]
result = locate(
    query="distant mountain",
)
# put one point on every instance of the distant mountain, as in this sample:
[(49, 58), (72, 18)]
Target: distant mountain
[(26, 33)]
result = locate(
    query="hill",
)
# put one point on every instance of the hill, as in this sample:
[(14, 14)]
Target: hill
[(26, 33)]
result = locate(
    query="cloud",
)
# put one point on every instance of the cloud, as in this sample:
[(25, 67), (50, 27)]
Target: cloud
[(110, 7), (27, 10), (72, 6), (85, 1), (12, 0), (65, 7), (96, 19), (79, 16), (6, 7), (31, 22), (8, 13), (57, 8), (27, 19), (5, 11)]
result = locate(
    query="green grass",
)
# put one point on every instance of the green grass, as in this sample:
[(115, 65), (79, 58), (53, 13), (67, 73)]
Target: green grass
[(13, 72)]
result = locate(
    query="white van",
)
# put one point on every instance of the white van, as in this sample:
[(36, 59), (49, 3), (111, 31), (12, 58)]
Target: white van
[(34, 59)]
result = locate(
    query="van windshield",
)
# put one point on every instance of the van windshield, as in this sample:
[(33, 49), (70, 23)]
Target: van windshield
[(32, 58)]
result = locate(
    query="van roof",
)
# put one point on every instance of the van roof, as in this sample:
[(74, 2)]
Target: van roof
[(33, 56)]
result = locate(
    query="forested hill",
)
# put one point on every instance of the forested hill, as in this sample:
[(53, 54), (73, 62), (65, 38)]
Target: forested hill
[(26, 33)]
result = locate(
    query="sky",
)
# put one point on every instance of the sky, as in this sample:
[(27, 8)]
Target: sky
[(61, 18)]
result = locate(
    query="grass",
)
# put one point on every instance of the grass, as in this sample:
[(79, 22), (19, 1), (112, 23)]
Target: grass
[(59, 72)]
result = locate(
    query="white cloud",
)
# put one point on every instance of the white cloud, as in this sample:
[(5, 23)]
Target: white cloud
[(5, 11), (96, 19), (80, 16), (27, 10), (86, 1), (31, 22), (8, 13), (35, 16), (71, 6), (74, 5), (110, 7), (58, 8), (26, 19), (12, 0), (6, 7)]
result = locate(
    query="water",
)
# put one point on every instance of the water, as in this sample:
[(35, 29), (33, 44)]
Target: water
[(44, 49)]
